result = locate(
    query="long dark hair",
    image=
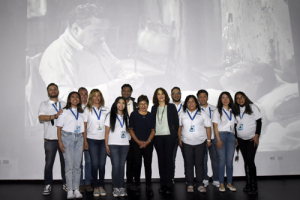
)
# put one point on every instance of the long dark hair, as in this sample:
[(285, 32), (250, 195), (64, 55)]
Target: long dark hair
[(114, 112), (155, 99), (248, 109), (68, 105), (220, 104), (186, 101)]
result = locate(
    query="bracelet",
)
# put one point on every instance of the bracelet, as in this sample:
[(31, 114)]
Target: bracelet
[(208, 140), (55, 116), (149, 141)]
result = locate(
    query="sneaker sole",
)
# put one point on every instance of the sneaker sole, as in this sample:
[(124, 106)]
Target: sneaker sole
[(102, 194), (96, 195), (45, 194)]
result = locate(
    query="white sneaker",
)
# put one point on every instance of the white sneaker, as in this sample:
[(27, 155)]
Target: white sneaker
[(47, 189), (116, 192), (205, 182), (77, 194), (216, 183), (70, 195), (102, 191), (123, 192)]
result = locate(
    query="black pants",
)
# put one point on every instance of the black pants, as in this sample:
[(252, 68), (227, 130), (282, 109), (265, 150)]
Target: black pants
[(130, 163), (164, 146), (194, 156), (248, 151), (140, 153)]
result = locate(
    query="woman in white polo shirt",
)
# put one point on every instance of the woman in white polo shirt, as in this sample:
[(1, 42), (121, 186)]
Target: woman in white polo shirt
[(94, 138), (248, 128), (70, 128), (117, 143), (223, 123), (194, 134)]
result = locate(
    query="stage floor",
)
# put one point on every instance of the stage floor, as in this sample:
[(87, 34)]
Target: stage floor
[(270, 188)]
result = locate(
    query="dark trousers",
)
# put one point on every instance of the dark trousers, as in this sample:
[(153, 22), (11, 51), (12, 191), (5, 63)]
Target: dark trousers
[(140, 153), (194, 156), (164, 146), (176, 144), (130, 168), (248, 151), (51, 147)]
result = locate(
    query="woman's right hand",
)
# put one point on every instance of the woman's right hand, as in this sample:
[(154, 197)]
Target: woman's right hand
[(86, 146), (61, 147), (140, 143), (107, 150), (219, 144), (180, 143)]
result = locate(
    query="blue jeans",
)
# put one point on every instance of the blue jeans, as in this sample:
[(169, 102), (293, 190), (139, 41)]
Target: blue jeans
[(51, 147), (225, 156), (212, 150), (118, 154), (87, 169), (98, 154), (73, 143)]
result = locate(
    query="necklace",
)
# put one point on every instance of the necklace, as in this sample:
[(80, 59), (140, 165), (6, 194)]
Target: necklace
[(162, 115)]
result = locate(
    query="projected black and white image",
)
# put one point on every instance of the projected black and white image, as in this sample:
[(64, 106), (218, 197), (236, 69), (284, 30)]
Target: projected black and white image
[(215, 45)]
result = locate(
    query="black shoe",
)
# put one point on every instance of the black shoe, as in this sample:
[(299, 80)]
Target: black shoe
[(130, 186), (162, 189), (149, 191), (137, 191), (253, 181), (168, 191)]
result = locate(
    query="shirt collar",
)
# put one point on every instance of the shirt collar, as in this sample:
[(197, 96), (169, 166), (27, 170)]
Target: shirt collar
[(71, 40)]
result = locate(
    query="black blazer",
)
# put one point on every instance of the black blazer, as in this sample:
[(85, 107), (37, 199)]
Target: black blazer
[(173, 119), (135, 106)]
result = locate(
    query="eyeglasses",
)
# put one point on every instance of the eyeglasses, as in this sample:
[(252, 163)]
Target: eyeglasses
[(238, 98), (177, 93), (143, 104)]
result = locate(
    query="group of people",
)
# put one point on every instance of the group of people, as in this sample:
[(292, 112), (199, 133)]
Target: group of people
[(127, 133)]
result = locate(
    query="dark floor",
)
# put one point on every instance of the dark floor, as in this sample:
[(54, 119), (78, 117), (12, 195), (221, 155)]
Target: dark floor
[(270, 188)]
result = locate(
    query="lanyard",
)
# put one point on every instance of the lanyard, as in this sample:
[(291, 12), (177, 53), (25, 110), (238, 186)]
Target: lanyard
[(242, 115), (98, 116), (227, 115), (209, 111), (179, 108), (191, 116), (120, 121), (55, 107), (76, 117)]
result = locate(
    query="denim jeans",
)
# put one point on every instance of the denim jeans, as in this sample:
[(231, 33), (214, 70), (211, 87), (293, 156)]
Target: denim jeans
[(212, 150), (225, 156), (87, 169), (51, 147), (73, 143), (98, 155), (118, 154)]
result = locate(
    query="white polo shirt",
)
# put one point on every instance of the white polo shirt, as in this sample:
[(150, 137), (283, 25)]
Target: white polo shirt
[(246, 124), (47, 108), (179, 107), (130, 107), (119, 136), (95, 126), (200, 122), (209, 110), (68, 121), (224, 124)]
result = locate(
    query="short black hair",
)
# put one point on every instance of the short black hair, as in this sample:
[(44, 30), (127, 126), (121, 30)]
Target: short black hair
[(126, 85), (143, 98), (175, 88), (82, 88), (51, 84), (202, 91)]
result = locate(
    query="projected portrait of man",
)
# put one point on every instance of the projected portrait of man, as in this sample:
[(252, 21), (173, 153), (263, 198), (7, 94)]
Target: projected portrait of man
[(80, 56)]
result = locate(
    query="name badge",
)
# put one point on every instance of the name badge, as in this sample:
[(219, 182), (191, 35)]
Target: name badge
[(99, 128), (192, 128), (240, 127), (123, 134), (77, 129)]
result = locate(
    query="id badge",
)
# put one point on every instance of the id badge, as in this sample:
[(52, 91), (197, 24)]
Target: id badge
[(77, 129), (123, 134), (99, 128), (240, 127), (192, 128)]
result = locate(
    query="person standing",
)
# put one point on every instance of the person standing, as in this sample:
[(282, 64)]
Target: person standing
[(194, 133), (70, 128), (248, 127), (202, 96), (49, 111), (117, 143), (86, 185), (223, 124), (126, 91), (142, 130), (94, 138), (176, 100), (166, 128)]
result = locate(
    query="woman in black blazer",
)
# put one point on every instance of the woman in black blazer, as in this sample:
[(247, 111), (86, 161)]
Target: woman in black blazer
[(166, 127)]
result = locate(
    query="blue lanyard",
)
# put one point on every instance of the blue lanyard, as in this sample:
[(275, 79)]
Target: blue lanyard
[(209, 111), (242, 115), (55, 107), (227, 115), (98, 116), (120, 121), (191, 116), (179, 108), (76, 117)]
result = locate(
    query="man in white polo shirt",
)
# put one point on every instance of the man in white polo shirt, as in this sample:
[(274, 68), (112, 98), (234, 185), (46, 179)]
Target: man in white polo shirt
[(202, 96), (48, 113), (176, 100)]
